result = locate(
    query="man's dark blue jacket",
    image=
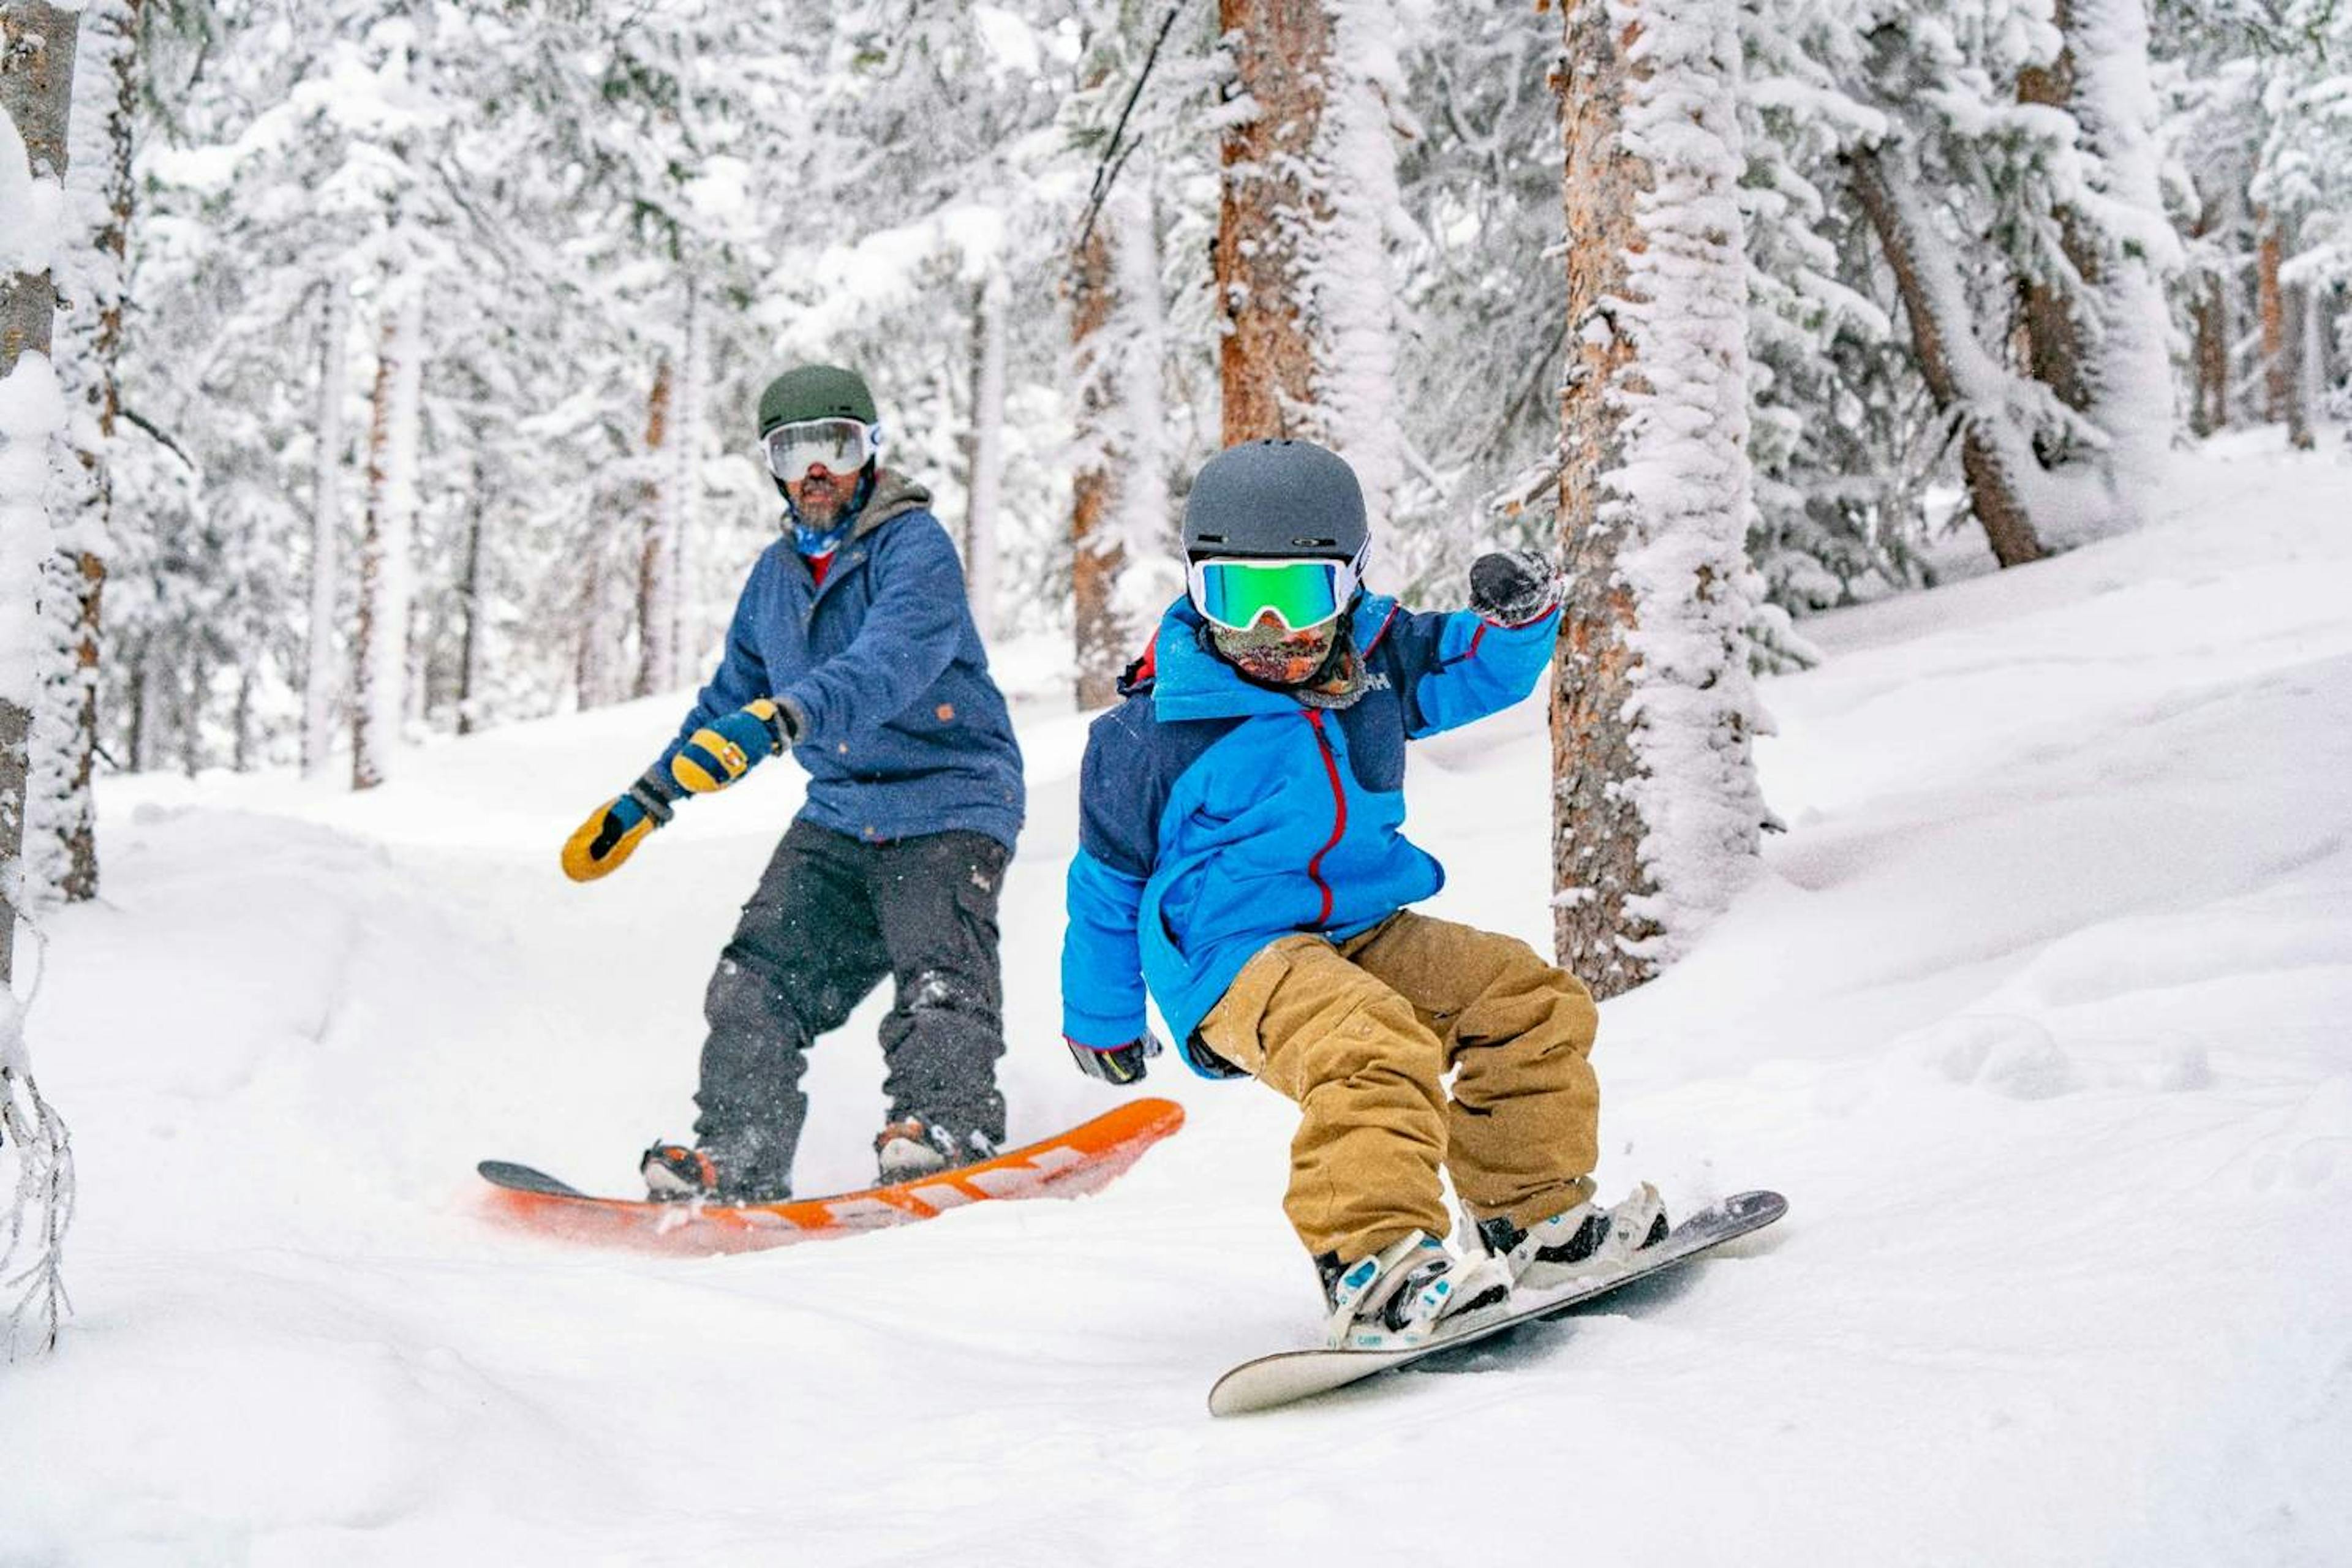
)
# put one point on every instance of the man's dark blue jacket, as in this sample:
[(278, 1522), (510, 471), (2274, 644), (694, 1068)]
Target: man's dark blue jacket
[(904, 731)]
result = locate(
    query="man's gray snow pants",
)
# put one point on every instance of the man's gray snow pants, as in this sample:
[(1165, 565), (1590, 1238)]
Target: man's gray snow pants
[(831, 918)]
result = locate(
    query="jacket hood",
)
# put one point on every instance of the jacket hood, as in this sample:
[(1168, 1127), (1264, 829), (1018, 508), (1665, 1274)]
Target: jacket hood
[(895, 495)]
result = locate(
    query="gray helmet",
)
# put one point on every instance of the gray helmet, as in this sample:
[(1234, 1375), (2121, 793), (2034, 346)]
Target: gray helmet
[(1273, 499)]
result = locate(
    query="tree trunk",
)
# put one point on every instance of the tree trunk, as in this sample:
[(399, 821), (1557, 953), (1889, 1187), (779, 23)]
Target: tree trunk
[(1300, 260), (1993, 461), (469, 606), (1121, 552), (241, 722), (598, 673), (16, 728), (2278, 384), (2209, 318), (192, 715), (991, 303), (322, 676), (108, 57), (1656, 813), (2303, 371), (2126, 370), (653, 637), (37, 60), (1266, 356), (2054, 336), (134, 697), (1097, 553), (381, 665), (684, 475)]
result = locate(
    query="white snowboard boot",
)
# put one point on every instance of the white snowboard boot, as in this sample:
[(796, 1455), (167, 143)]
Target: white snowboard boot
[(1407, 1293), (1577, 1242)]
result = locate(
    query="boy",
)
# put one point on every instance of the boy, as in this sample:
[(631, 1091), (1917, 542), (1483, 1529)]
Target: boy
[(1240, 855)]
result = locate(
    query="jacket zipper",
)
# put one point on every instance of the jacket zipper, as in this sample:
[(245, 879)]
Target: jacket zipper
[(1339, 809)]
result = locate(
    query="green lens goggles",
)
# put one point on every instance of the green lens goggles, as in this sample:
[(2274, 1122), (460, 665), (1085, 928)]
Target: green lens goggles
[(1236, 593)]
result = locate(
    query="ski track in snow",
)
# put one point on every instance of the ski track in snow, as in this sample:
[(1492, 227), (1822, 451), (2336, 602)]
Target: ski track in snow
[(2037, 1014)]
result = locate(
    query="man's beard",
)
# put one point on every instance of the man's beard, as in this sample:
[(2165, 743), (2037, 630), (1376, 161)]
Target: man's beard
[(822, 506)]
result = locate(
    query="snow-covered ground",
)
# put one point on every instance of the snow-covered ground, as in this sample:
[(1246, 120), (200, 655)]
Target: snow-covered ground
[(2041, 1017)]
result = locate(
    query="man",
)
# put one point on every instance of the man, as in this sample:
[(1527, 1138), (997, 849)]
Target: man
[(852, 645), (1241, 857)]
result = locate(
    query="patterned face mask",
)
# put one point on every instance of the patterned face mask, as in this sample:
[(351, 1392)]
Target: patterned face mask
[(1270, 653)]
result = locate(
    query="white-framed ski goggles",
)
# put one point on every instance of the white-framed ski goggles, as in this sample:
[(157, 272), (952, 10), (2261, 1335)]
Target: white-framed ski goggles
[(1235, 592), (837, 446)]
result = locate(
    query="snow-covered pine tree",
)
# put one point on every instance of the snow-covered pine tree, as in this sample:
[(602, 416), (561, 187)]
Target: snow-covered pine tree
[(2253, 126), (2098, 332), (2301, 192), (1841, 448), (1656, 813)]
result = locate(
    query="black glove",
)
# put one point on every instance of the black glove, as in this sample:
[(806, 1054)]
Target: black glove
[(1121, 1065), (1512, 587)]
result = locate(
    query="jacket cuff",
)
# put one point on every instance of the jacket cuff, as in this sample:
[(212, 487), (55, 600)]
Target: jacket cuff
[(1084, 1029), (1547, 613), (795, 719), (656, 791)]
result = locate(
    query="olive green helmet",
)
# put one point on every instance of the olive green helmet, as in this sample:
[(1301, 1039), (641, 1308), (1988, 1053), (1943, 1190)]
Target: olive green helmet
[(815, 391)]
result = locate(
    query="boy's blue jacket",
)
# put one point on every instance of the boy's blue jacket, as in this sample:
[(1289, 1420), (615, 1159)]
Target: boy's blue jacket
[(1216, 816), (905, 734)]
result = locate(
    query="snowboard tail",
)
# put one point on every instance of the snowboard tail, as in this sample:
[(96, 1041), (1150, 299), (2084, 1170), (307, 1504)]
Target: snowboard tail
[(1072, 1163), (1290, 1375)]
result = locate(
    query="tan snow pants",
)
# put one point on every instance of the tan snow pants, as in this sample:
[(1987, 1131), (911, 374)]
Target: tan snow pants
[(1361, 1035)]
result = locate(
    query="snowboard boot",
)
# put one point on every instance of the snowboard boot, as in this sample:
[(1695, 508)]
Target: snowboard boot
[(711, 1173), (1576, 1242), (1407, 1293), (912, 1149)]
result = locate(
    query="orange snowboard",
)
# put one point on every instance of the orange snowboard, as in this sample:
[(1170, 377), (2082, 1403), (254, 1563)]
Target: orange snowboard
[(1068, 1165)]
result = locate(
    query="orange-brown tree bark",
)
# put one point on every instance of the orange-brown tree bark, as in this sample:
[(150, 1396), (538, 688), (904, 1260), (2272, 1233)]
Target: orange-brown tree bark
[(1991, 466)]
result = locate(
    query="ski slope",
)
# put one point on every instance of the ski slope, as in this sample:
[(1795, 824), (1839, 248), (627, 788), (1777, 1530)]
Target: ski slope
[(2041, 1016)]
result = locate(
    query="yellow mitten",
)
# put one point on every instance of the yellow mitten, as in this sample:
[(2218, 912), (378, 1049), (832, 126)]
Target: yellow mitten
[(612, 831)]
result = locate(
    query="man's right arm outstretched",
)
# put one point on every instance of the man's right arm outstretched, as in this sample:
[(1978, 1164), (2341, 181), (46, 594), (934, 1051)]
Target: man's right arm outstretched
[(613, 830)]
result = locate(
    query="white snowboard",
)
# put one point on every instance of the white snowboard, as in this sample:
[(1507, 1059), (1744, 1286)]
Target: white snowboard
[(1289, 1376)]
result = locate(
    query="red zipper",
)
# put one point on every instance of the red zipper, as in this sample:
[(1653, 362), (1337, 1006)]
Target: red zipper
[(1340, 803)]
